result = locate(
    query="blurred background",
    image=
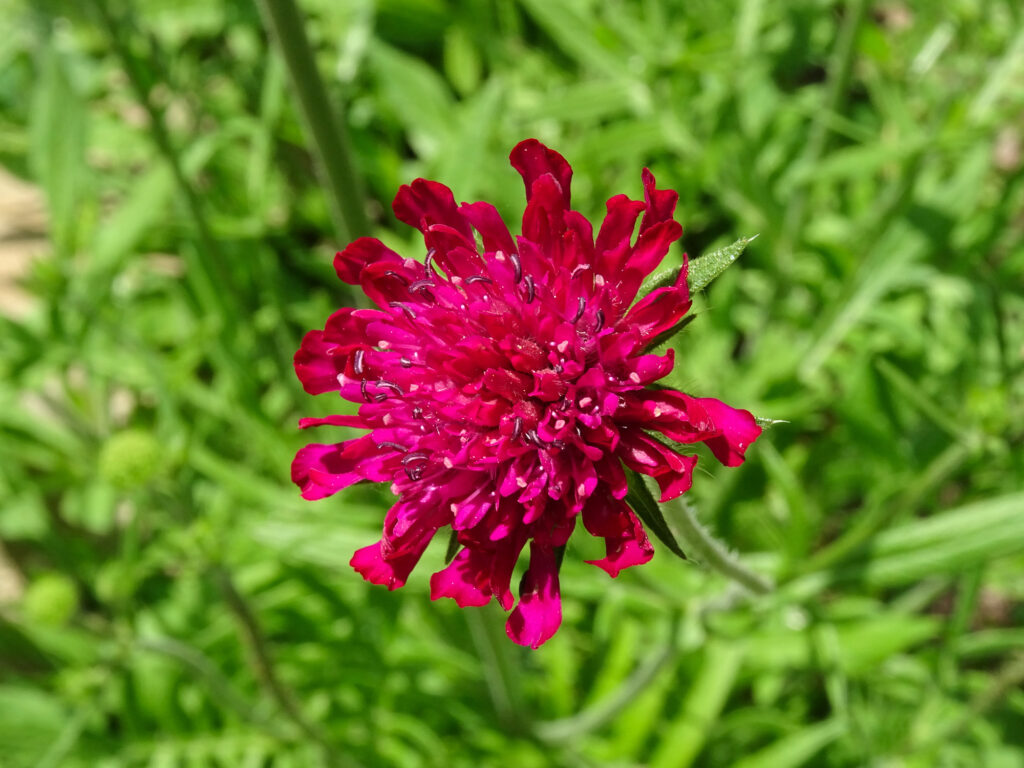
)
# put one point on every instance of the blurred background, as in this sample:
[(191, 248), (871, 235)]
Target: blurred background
[(166, 598)]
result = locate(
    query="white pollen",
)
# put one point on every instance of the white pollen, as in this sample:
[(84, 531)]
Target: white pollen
[(657, 411), (456, 280), (581, 488), (584, 402), (560, 423), (454, 507), (634, 377), (598, 280), (413, 387), (562, 346), (387, 419), (499, 256), (521, 482), (384, 344), (448, 462)]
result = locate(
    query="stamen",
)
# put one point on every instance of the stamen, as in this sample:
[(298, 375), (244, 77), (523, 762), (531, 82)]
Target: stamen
[(414, 473), (392, 386), (581, 306), (362, 388), (428, 263), (477, 279), (357, 362), (417, 413), (392, 273), (517, 427), (405, 361), (380, 397), (395, 446), (529, 289), (420, 285), (517, 266), (403, 307), (600, 321), (533, 437), (414, 456)]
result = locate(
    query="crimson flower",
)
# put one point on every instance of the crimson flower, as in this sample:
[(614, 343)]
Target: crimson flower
[(506, 383)]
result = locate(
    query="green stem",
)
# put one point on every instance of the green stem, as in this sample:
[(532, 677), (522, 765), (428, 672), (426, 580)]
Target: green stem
[(284, 24), (711, 552), (264, 665)]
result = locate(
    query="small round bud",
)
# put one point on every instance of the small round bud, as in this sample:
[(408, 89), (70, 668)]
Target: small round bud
[(130, 459), (51, 598)]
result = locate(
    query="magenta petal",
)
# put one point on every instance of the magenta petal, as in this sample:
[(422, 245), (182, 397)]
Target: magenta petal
[(392, 573), (630, 548), (532, 159), (738, 430), (487, 221), (360, 253), (425, 202), (466, 579), (661, 203), (338, 420), (539, 612)]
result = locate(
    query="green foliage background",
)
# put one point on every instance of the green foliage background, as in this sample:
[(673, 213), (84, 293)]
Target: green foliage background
[(176, 604)]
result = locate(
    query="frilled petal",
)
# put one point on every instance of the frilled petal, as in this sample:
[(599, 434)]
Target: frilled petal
[(532, 159), (366, 250), (660, 203), (337, 420), (672, 471), (467, 579), (736, 429), (425, 202), (322, 470), (488, 222), (317, 365), (660, 309), (626, 542), (392, 573), (539, 612)]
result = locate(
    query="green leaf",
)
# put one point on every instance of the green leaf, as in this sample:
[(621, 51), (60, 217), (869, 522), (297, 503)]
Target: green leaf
[(702, 270), (709, 266), (647, 509)]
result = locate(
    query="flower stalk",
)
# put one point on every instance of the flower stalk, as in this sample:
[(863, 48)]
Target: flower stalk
[(329, 137), (710, 551)]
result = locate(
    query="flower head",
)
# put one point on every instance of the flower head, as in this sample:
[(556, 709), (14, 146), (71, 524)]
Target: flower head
[(506, 383)]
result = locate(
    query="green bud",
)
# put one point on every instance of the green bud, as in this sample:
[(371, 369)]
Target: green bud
[(130, 459), (51, 598)]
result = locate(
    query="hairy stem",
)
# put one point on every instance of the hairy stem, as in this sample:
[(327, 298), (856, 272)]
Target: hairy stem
[(710, 551)]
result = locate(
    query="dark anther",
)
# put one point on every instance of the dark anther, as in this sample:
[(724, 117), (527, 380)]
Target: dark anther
[(420, 285), (362, 388), (417, 413), (391, 385), (380, 397), (395, 446), (413, 473), (600, 321), (517, 427), (403, 307), (532, 437), (357, 362), (517, 266), (581, 306), (428, 263), (477, 279), (405, 361), (529, 289), (559, 368), (559, 444), (414, 456), (392, 273)]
